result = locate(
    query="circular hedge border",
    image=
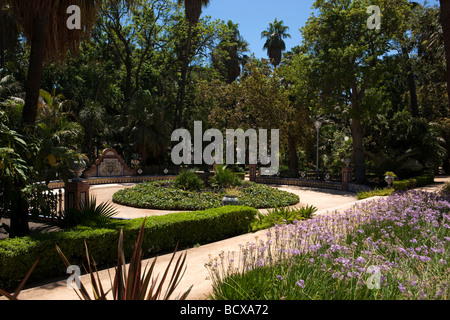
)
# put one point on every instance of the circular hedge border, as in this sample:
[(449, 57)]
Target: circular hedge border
[(164, 196)]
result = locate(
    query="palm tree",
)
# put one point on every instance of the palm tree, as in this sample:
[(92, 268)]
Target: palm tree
[(193, 11), (229, 56), (274, 43), (445, 21), (44, 24), (148, 127)]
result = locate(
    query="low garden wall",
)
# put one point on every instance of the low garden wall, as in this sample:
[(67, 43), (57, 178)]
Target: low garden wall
[(111, 180)]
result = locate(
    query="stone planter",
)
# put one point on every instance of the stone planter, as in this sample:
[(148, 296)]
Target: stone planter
[(230, 200), (389, 180)]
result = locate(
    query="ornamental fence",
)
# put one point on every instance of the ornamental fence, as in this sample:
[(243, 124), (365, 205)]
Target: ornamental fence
[(48, 205)]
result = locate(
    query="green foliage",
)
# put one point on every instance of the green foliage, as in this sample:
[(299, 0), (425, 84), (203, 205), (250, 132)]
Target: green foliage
[(162, 233), (375, 193), (332, 257), (132, 285), (225, 178), (88, 214), (163, 195), (403, 144), (390, 173), (275, 44), (188, 180), (415, 182), (446, 188), (282, 215)]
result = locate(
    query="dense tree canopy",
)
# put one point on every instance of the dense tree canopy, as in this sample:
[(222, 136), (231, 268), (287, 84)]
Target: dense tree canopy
[(137, 70)]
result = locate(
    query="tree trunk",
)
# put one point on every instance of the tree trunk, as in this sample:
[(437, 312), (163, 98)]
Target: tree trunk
[(445, 21), (129, 73), (19, 206), (358, 151), (35, 67), (411, 83), (19, 217), (184, 72), (293, 158)]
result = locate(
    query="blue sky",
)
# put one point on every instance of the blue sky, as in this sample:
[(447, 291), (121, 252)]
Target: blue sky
[(254, 16)]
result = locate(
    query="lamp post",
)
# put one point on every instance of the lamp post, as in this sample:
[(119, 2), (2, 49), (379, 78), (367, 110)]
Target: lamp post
[(317, 124)]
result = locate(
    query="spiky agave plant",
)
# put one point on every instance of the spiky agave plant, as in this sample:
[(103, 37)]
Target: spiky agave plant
[(14, 296), (131, 285)]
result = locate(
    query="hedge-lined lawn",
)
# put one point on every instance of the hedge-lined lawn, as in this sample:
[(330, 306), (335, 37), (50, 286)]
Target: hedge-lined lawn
[(163, 195)]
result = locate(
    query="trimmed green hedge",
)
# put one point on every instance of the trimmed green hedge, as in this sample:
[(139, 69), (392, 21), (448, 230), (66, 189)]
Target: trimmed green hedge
[(415, 182), (161, 235)]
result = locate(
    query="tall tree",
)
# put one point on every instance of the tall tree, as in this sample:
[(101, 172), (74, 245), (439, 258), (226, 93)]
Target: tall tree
[(230, 55), (347, 60), (193, 10), (44, 24), (134, 34), (445, 21), (275, 44)]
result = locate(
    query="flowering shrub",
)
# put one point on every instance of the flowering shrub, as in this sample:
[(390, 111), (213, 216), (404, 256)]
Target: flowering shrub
[(392, 248)]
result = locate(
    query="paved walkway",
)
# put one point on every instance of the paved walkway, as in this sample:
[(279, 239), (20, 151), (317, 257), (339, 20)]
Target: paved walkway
[(320, 198), (196, 274)]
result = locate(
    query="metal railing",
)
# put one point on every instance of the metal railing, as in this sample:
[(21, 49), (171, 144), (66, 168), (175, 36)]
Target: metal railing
[(47, 205)]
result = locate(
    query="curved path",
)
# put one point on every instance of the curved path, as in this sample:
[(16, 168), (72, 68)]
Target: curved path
[(320, 198), (196, 274)]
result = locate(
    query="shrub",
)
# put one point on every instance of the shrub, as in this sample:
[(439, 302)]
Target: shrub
[(284, 215), (225, 178), (419, 181), (241, 175), (446, 188), (188, 180), (162, 233), (89, 214), (374, 193)]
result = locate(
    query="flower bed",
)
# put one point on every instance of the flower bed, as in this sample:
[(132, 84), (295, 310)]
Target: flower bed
[(163, 195), (389, 249)]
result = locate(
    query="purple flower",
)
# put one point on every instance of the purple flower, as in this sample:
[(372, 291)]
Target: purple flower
[(360, 260), (280, 277), (300, 283), (401, 287)]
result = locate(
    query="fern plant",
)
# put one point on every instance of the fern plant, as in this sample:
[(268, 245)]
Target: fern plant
[(188, 180), (225, 178), (88, 214)]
